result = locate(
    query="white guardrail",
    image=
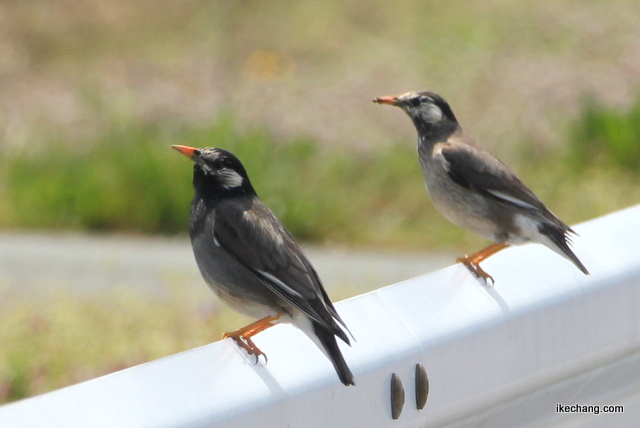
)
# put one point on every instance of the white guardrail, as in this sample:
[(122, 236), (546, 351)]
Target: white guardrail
[(545, 335)]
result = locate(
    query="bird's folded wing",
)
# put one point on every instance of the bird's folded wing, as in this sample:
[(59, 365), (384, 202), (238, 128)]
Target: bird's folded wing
[(258, 240), (477, 170)]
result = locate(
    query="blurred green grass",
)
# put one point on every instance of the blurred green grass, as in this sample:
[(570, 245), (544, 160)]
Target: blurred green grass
[(130, 180), (606, 137)]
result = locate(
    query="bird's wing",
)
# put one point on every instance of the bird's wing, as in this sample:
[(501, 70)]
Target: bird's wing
[(260, 242), (476, 169)]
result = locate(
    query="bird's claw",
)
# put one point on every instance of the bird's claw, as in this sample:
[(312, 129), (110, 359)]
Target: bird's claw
[(477, 271), (247, 344)]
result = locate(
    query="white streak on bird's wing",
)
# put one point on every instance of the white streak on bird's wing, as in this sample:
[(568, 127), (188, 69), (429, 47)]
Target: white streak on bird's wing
[(211, 225), (284, 286), (501, 195)]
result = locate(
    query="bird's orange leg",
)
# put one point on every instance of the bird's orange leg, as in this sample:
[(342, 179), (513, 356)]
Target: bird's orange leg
[(472, 262), (243, 335)]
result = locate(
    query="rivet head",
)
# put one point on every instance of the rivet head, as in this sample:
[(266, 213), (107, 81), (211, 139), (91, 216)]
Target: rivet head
[(397, 396), (422, 386)]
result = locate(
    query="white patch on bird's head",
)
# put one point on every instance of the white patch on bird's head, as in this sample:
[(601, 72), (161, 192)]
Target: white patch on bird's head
[(219, 164), (421, 105), (229, 178), (430, 112)]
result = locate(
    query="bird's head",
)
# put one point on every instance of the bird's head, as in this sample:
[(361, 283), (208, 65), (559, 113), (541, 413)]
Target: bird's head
[(216, 170), (426, 109)]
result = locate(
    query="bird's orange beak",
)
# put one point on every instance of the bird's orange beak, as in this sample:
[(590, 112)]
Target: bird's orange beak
[(391, 100), (185, 150)]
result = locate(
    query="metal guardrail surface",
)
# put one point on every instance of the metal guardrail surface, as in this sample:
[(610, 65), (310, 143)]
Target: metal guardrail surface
[(507, 356)]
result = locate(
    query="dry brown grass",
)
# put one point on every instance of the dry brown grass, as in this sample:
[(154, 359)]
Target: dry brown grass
[(509, 69)]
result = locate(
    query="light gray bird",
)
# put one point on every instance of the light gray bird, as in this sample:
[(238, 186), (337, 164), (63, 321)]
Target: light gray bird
[(473, 189), (252, 262)]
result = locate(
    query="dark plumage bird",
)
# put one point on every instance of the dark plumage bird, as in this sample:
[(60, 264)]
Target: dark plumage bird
[(473, 189), (252, 262)]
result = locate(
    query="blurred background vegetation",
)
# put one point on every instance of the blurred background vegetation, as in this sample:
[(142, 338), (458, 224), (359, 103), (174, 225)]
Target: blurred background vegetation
[(92, 94)]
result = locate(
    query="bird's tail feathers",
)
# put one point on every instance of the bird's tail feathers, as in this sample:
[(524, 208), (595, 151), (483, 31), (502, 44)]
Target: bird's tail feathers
[(340, 326), (329, 345), (559, 242)]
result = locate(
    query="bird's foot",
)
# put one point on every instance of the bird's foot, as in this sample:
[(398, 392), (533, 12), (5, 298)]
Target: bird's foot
[(472, 262), (243, 335), (247, 344), (477, 271)]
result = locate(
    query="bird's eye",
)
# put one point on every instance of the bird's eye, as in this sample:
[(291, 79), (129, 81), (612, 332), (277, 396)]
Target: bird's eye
[(416, 102)]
